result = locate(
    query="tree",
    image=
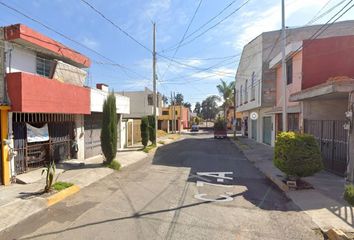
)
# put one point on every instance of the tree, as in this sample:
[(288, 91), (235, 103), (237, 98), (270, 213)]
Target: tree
[(226, 91), (179, 99), (187, 105), (109, 128), (144, 129), (197, 108), (164, 99), (152, 133), (209, 107)]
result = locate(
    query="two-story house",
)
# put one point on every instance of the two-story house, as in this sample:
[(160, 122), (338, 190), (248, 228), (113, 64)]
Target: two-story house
[(141, 104), (319, 95), (256, 81), (174, 118), (42, 83)]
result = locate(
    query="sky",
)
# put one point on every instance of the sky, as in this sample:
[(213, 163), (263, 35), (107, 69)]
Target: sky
[(198, 42)]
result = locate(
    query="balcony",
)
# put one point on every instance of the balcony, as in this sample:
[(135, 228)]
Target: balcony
[(35, 94)]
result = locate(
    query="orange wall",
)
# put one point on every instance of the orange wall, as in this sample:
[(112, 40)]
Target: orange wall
[(293, 87), (24, 33), (36, 94)]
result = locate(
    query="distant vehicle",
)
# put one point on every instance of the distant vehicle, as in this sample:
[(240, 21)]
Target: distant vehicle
[(220, 128), (195, 128)]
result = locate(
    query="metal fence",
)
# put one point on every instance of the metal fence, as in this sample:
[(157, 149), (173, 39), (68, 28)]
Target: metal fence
[(332, 139)]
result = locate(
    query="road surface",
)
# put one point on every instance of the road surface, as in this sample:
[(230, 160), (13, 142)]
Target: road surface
[(196, 188)]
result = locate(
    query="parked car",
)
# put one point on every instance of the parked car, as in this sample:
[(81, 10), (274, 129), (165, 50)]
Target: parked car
[(220, 129), (194, 128)]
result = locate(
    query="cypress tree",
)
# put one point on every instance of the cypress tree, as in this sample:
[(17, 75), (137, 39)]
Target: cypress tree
[(109, 128), (152, 133), (144, 127)]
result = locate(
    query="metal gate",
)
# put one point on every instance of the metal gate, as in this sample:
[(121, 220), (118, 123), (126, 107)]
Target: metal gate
[(267, 130), (332, 139), (93, 125), (36, 154)]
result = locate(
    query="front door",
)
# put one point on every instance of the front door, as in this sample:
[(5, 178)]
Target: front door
[(267, 130), (254, 129)]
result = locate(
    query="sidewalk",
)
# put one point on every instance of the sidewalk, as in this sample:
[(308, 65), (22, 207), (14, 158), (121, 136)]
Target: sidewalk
[(19, 201), (324, 204)]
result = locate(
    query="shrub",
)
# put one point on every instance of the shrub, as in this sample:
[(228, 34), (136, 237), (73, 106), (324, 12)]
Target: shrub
[(349, 194), (115, 165), (297, 155), (220, 124), (152, 132), (109, 128), (144, 128), (61, 185)]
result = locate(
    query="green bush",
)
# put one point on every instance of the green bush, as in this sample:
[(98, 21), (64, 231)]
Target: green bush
[(152, 132), (144, 128), (297, 155), (220, 124), (349, 194), (109, 128)]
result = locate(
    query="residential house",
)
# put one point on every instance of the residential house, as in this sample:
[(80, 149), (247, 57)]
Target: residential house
[(256, 81), (230, 117), (141, 104), (181, 118), (42, 87), (320, 94), (93, 122)]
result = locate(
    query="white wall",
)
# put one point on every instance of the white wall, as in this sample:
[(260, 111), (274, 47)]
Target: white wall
[(80, 140), (22, 60), (98, 97)]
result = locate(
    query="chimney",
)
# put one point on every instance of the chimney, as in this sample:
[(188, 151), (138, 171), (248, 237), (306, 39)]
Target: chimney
[(102, 86)]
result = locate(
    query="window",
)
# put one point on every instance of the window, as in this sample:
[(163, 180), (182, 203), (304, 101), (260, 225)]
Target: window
[(236, 98), (253, 87), (293, 122), (241, 95), (289, 71), (246, 91), (43, 66), (165, 113), (150, 100)]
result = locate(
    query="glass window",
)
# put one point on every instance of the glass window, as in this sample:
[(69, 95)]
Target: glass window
[(43, 66), (253, 87), (150, 100), (289, 71), (241, 90), (165, 113), (246, 91)]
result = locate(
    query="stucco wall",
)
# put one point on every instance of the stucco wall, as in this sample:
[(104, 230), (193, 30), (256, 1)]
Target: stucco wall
[(2, 65), (20, 59), (97, 99), (295, 86), (331, 109), (325, 58)]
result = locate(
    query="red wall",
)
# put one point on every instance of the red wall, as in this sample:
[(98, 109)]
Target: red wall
[(24, 33), (325, 58), (35, 94)]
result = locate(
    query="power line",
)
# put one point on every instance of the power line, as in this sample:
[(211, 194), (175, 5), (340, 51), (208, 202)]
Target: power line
[(184, 35), (316, 18), (213, 26), (115, 25)]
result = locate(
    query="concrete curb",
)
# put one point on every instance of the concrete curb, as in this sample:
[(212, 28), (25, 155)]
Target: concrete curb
[(60, 196), (274, 179)]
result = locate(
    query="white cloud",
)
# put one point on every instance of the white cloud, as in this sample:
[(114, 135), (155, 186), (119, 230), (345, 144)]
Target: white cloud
[(217, 73), (155, 7)]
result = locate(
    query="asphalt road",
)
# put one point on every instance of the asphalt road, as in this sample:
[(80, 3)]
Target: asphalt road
[(197, 188)]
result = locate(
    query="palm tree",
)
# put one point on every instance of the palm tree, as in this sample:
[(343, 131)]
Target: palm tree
[(226, 91)]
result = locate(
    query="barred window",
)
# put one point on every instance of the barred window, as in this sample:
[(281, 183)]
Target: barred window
[(253, 87)]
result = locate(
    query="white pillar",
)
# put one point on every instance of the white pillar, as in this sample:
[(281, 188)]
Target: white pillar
[(80, 140)]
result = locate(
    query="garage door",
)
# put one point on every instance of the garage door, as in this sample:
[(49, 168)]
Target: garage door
[(93, 124)]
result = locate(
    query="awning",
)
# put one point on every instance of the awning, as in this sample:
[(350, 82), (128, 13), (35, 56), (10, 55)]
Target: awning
[(338, 87)]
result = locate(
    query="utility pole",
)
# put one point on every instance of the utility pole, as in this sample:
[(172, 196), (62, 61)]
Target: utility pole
[(283, 66), (174, 113), (154, 77), (234, 120)]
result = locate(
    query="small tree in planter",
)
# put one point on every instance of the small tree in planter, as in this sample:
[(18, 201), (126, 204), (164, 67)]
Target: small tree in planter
[(109, 128), (297, 155), (144, 128), (152, 133)]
